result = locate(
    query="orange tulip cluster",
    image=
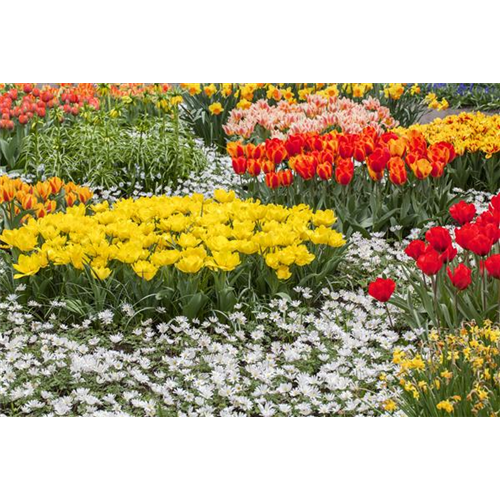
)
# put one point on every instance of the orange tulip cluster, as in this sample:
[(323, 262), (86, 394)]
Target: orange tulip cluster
[(332, 155), (41, 198)]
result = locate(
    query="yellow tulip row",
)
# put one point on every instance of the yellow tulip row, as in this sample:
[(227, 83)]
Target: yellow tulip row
[(190, 233)]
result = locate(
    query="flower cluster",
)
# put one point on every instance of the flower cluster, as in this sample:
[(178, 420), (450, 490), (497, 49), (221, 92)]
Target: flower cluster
[(468, 132), (457, 374), (316, 115), (476, 238), (190, 233), (290, 359), (21, 102), (39, 199), (312, 155), (24, 101)]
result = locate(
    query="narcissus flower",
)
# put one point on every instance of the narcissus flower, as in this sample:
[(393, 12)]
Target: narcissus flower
[(460, 276), (382, 289), (216, 108)]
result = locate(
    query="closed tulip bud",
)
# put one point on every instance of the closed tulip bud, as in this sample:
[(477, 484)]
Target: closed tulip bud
[(449, 254), (375, 176), (84, 194), (8, 193), (397, 170), (50, 206), (306, 167), (254, 152), (293, 146), (460, 277), (359, 152)]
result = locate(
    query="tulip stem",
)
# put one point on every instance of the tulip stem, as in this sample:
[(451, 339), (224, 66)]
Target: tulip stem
[(389, 315), (499, 301), (434, 292)]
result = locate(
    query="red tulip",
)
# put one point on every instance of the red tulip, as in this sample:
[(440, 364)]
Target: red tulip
[(439, 238), (415, 249), (382, 289), (449, 254), (463, 212), (305, 166), (481, 245), (240, 165), (346, 149), (465, 234), (492, 265), (430, 262), (344, 171), (377, 161), (460, 277)]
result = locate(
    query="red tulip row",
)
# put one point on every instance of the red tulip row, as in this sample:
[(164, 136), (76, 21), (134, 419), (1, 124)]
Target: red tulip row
[(331, 155)]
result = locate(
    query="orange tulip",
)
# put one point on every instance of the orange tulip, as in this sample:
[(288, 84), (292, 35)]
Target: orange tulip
[(84, 194), (285, 177), (397, 147), (43, 190), (70, 199), (28, 202), (272, 180), (55, 184), (421, 168), (325, 171), (235, 149), (397, 170)]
